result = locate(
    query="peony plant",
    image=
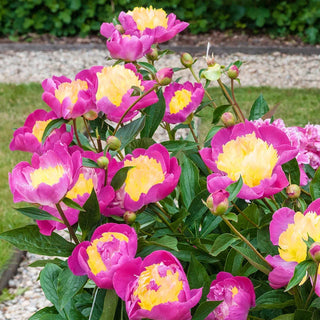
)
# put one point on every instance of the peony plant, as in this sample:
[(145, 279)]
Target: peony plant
[(217, 226)]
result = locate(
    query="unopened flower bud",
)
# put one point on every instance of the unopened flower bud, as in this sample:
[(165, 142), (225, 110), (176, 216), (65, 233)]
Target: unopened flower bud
[(186, 59), (129, 217), (228, 119), (103, 162), (314, 251), (153, 54), (120, 28), (164, 76), (113, 143), (218, 202), (293, 191), (91, 115), (233, 72)]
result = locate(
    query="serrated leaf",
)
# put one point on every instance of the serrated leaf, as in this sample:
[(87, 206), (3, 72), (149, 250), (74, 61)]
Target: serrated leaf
[(37, 214), (54, 124), (234, 189), (222, 242), (120, 177), (300, 271), (29, 238), (86, 162), (218, 112), (204, 309), (72, 204), (259, 108)]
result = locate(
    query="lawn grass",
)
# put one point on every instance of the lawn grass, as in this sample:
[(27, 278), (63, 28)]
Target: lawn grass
[(297, 107)]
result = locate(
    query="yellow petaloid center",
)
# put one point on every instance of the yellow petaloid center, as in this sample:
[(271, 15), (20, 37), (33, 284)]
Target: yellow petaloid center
[(95, 262), (146, 173), (248, 156), (180, 100), (81, 187), (153, 289), (234, 291), (39, 128), (71, 90), (291, 244), (49, 176), (149, 18), (114, 83)]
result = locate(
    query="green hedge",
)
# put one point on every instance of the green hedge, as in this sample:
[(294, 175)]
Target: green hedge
[(79, 17)]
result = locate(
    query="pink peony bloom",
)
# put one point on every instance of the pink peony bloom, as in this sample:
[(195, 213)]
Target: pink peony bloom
[(29, 137), (237, 294), (112, 245), (181, 101), (114, 91), (128, 47), (289, 230), (156, 288), (254, 153), (70, 99), (153, 177), (49, 177)]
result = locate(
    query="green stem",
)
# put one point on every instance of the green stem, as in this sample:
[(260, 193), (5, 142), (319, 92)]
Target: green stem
[(163, 219), (95, 293), (313, 287), (305, 192), (89, 134), (267, 204), (170, 133), (126, 112), (76, 132), (231, 226), (66, 222), (275, 202), (244, 215), (194, 136)]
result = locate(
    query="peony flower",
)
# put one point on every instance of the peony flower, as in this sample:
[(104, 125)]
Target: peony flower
[(49, 177), (69, 99), (112, 245), (147, 21), (255, 154), (128, 47), (289, 230), (29, 137), (114, 91), (181, 101), (153, 177), (156, 288), (237, 294)]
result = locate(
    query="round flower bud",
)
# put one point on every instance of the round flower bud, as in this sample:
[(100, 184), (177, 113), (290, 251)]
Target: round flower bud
[(233, 72), (129, 217), (218, 202), (103, 162), (152, 54), (228, 119), (186, 59), (91, 115), (293, 191), (164, 76), (113, 143), (314, 251), (120, 28)]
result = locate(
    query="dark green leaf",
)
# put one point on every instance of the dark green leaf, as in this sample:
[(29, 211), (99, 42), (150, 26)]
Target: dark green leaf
[(300, 271), (274, 299), (29, 238), (292, 171), (222, 242), (71, 204), (168, 242), (154, 115), (209, 224), (149, 67), (120, 177), (174, 146), (37, 214), (86, 162), (234, 189), (210, 135), (49, 281), (259, 108), (43, 263), (54, 124), (110, 305), (288, 316), (197, 208), (315, 186), (48, 313), (231, 216), (303, 315), (203, 105), (204, 309), (218, 112), (143, 143)]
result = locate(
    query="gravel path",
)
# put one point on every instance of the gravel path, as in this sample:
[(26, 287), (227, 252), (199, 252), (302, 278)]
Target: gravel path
[(272, 69)]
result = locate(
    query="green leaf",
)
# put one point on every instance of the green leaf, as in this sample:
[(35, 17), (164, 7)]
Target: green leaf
[(222, 242), (174, 146), (43, 263), (89, 163), (204, 309), (218, 112), (300, 271), (259, 108), (143, 143), (251, 212), (72, 204), (48, 313), (54, 124), (68, 286), (120, 177), (288, 316), (274, 299), (37, 214), (168, 242), (110, 305), (49, 281), (234, 189), (154, 115), (197, 209), (128, 132), (29, 238), (149, 67), (292, 171), (231, 216), (210, 135), (315, 185)]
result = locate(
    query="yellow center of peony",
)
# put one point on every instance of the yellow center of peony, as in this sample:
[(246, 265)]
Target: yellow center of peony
[(114, 83), (71, 90), (49, 176), (234, 291), (95, 262), (149, 18), (81, 187), (291, 244), (180, 100), (146, 173), (153, 289), (39, 128), (248, 156)]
